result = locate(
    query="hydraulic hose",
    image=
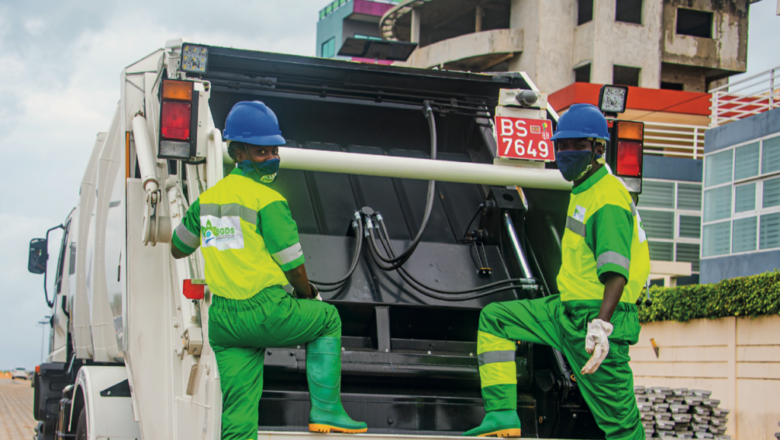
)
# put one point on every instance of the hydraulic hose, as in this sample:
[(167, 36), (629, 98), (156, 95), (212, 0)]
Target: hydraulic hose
[(398, 261), (445, 295), (330, 286)]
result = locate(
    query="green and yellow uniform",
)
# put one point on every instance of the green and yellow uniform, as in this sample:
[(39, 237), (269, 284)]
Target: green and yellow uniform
[(603, 235), (248, 240)]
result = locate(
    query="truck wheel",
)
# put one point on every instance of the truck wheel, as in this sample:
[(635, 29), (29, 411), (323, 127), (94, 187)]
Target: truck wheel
[(81, 428)]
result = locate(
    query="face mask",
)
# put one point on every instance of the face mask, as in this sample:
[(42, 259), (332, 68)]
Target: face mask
[(266, 169), (574, 164)]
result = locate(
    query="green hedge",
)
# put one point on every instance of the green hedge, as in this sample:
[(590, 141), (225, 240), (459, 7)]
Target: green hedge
[(752, 296)]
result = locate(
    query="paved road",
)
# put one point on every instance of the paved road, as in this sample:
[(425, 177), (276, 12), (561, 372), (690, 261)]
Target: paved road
[(16, 418)]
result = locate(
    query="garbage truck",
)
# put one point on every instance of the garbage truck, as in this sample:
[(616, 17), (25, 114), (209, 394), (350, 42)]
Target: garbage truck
[(454, 171)]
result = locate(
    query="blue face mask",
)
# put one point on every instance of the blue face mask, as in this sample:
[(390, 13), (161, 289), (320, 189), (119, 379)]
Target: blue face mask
[(267, 169), (574, 164)]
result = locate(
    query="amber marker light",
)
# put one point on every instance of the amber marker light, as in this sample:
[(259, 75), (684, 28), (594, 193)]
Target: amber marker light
[(178, 90), (631, 130)]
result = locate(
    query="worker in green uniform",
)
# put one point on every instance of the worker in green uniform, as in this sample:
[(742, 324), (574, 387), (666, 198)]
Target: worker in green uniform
[(605, 264), (250, 245)]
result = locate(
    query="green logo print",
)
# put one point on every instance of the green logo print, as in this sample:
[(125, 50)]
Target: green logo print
[(209, 232)]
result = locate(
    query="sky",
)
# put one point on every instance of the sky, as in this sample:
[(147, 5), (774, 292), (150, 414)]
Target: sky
[(60, 63)]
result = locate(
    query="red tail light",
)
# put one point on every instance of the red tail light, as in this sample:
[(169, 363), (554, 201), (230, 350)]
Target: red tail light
[(176, 120), (629, 160), (194, 289)]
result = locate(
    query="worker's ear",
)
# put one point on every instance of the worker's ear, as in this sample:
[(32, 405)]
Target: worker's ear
[(240, 154)]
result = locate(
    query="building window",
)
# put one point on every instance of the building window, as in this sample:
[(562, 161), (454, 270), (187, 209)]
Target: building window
[(329, 48), (628, 11), (584, 11), (582, 74), (671, 86), (694, 23), (671, 217), (367, 37), (625, 76), (742, 199)]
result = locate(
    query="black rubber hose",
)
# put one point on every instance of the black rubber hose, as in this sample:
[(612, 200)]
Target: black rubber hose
[(386, 244), (453, 297), (355, 259), (405, 255)]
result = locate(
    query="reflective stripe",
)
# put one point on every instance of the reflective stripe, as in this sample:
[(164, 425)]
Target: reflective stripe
[(498, 374), (229, 210), (493, 357), (575, 226), (633, 209), (487, 343), (614, 258), (187, 237), (285, 256)]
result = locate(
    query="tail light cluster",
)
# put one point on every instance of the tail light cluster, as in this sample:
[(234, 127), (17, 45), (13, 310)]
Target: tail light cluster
[(630, 138), (178, 120)]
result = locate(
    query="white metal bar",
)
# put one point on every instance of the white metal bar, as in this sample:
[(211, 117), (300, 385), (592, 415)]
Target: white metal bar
[(423, 169)]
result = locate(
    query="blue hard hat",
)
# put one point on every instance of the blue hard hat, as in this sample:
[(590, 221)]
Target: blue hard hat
[(582, 121), (253, 123)]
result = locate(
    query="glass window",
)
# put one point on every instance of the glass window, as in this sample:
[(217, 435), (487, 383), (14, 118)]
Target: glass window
[(625, 75), (716, 240), (717, 168), (582, 74), (629, 11), (717, 203), (367, 37), (770, 231), (329, 48), (690, 226), (694, 23), (688, 196), (657, 194), (584, 11), (661, 251), (688, 253), (658, 224), (745, 197), (745, 230), (771, 193), (746, 161), (770, 159)]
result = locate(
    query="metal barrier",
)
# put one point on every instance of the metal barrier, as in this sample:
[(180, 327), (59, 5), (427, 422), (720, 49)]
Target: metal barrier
[(675, 140), (747, 97)]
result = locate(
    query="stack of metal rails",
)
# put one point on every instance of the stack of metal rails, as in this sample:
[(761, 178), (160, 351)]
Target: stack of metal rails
[(681, 413)]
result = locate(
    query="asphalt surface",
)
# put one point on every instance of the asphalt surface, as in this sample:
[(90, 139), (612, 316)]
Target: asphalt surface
[(16, 416)]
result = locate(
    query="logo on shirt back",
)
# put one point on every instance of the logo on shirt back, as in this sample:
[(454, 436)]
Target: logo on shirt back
[(222, 232)]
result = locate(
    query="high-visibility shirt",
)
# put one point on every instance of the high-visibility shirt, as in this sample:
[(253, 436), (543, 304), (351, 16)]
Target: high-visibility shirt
[(246, 234), (603, 234)]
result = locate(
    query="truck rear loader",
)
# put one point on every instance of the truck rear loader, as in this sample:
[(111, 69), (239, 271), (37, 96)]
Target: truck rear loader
[(380, 159)]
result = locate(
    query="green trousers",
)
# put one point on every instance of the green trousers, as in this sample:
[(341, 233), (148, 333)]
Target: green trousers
[(609, 392), (239, 333)]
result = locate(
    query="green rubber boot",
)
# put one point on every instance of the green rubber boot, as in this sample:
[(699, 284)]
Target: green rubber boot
[(323, 369), (502, 423)]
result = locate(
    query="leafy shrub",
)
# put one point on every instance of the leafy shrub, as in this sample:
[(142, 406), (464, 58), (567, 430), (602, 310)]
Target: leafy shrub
[(752, 296)]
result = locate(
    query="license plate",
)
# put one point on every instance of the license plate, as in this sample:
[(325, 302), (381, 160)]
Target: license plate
[(521, 138)]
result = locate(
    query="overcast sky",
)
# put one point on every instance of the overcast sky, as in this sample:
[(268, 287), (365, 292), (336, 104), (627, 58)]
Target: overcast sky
[(60, 63)]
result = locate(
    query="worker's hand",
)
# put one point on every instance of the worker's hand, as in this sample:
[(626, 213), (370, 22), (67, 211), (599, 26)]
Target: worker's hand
[(597, 344)]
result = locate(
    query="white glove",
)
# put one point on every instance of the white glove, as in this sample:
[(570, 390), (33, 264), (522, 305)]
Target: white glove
[(597, 344)]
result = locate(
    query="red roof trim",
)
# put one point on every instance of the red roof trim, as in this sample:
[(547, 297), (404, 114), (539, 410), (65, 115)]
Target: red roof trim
[(667, 101)]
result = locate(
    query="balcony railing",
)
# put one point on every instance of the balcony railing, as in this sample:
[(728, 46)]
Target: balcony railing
[(746, 97), (674, 140)]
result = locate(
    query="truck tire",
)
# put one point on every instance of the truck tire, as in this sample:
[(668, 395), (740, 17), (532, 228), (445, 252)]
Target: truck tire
[(81, 428)]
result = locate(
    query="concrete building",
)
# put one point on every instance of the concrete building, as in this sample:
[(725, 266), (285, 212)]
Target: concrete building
[(672, 44), (342, 19)]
